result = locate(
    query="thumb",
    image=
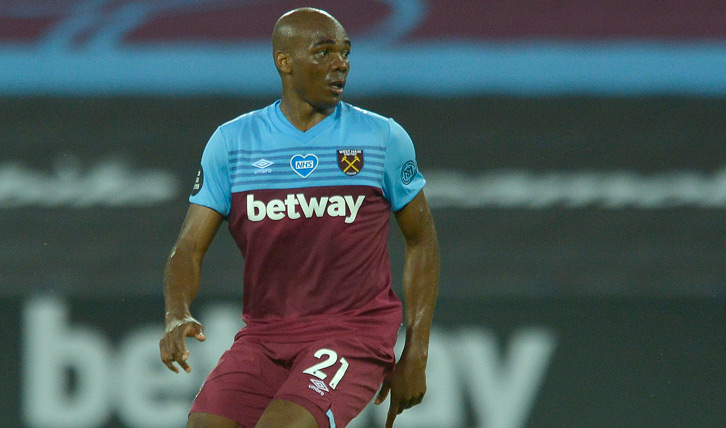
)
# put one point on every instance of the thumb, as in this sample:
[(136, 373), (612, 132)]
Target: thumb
[(196, 330), (383, 393)]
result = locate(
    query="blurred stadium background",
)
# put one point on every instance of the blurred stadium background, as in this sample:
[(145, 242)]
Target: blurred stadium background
[(576, 158)]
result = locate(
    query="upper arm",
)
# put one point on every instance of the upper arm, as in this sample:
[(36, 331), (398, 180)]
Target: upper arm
[(198, 230), (402, 181), (416, 222), (212, 188)]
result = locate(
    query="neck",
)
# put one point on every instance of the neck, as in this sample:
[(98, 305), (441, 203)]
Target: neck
[(302, 115)]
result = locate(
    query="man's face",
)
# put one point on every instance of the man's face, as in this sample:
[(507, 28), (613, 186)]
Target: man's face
[(320, 65)]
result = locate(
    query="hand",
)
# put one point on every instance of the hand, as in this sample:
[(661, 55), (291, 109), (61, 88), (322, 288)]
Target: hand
[(172, 346), (407, 385)]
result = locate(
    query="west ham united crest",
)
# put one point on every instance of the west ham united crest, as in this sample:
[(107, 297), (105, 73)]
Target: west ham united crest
[(350, 161)]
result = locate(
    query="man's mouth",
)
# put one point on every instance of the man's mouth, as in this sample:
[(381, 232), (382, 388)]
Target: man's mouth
[(337, 86)]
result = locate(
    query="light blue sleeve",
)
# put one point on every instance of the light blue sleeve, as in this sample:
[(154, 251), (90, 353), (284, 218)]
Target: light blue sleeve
[(402, 180), (212, 187)]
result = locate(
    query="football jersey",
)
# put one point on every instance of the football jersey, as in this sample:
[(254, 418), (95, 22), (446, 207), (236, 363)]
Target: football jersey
[(310, 213)]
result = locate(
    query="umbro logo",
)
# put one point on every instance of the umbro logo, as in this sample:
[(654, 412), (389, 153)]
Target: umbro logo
[(318, 386), (262, 164)]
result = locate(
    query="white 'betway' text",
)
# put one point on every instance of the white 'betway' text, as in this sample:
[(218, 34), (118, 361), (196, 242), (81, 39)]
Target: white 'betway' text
[(277, 209)]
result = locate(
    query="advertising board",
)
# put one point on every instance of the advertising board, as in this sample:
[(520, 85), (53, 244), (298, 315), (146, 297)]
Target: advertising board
[(192, 47), (501, 363)]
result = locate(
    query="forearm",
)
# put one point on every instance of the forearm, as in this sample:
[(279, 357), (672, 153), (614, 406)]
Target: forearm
[(181, 283), (184, 265), (420, 287)]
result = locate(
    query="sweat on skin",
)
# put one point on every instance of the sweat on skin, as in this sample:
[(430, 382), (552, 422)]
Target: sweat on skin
[(277, 209)]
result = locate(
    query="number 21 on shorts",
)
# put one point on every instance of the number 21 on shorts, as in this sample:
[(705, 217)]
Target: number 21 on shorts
[(330, 360)]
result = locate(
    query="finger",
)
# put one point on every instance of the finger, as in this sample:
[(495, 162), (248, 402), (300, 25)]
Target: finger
[(182, 352), (166, 358), (407, 404), (196, 331), (170, 365), (182, 360), (185, 366), (403, 405), (414, 402), (192, 329), (178, 357), (179, 354), (174, 344), (383, 393), (392, 413), (199, 335)]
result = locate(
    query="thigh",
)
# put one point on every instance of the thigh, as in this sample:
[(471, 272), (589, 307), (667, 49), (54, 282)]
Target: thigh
[(207, 420), (336, 378), (286, 414), (242, 384)]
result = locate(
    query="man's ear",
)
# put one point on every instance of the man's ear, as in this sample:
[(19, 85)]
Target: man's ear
[(283, 62)]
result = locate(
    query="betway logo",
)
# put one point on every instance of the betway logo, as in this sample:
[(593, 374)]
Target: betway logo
[(277, 209)]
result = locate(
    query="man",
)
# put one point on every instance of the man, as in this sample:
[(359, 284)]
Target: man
[(307, 186)]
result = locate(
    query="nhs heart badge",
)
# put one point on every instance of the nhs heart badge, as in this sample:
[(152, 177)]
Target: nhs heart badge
[(304, 165)]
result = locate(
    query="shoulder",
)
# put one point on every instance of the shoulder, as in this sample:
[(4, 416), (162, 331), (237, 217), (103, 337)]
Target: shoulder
[(253, 118), (371, 120), (361, 113)]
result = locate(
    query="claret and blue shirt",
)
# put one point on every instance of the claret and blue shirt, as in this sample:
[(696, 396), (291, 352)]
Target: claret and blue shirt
[(310, 213)]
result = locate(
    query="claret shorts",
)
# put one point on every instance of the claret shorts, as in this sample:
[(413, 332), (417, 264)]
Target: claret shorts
[(334, 379)]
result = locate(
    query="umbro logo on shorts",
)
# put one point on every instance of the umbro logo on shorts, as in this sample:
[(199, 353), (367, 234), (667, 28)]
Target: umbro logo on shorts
[(318, 386)]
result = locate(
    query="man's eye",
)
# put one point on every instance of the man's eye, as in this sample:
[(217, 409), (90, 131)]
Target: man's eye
[(323, 52), (346, 54)]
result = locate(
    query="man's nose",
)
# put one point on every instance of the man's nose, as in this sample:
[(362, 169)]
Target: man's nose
[(340, 63)]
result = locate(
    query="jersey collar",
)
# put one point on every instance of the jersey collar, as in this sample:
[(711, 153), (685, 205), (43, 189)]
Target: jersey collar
[(281, 123)]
